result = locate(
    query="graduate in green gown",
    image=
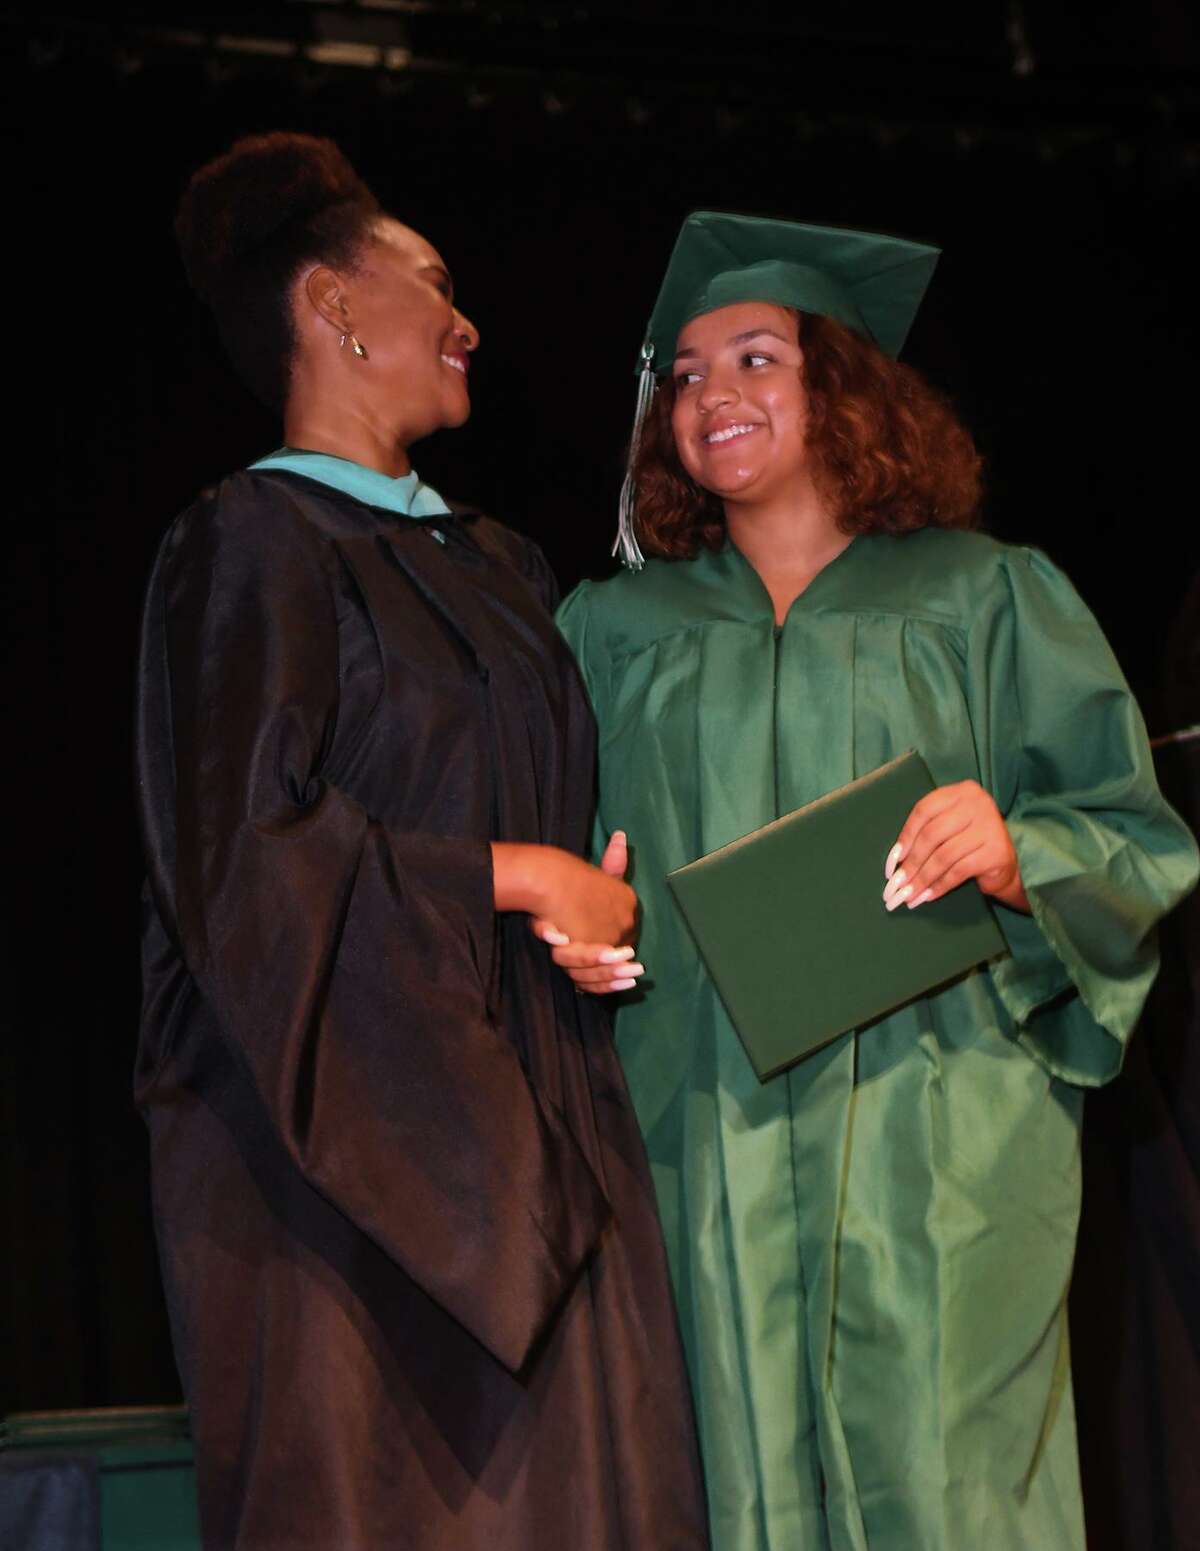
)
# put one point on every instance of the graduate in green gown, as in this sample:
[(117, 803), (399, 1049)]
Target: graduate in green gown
[(871, 1251)]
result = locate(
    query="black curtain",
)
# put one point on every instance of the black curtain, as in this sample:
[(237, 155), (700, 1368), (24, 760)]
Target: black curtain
[(1136, 1301), (1061, 321)]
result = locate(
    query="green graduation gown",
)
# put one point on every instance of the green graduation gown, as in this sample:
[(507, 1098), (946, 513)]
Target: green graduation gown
[(871, 1252)]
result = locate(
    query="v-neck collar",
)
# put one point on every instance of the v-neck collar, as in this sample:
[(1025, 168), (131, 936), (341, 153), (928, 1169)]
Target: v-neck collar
[(742, 580)]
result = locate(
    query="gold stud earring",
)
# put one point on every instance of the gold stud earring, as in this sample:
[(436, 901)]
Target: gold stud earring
[(359, 349)]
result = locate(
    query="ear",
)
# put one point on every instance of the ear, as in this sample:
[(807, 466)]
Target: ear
[(324, 290)]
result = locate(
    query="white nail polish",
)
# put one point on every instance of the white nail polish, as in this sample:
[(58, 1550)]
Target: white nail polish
[(921, 898), (899, 896), (893, 857), (556, 939), (623, 985), (616, 955), (891, 888)]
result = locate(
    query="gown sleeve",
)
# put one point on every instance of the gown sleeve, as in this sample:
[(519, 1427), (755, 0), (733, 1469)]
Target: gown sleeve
[(346, 963), (573, 619), (1102, 854)]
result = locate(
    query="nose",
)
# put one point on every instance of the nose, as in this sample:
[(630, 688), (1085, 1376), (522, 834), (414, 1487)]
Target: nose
[(466, 330), (717, 390)]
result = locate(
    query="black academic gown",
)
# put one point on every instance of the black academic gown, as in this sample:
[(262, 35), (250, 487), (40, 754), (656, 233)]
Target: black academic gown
[(415, 1277)]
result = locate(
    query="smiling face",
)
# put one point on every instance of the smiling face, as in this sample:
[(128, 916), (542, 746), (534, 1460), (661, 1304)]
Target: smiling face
[(400, 304), (740, 408)]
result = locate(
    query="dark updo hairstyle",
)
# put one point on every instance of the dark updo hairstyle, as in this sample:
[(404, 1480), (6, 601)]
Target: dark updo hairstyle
[(246, 224)]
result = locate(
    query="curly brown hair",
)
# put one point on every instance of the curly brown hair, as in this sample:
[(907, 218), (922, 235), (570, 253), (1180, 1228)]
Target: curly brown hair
[(891, 453)]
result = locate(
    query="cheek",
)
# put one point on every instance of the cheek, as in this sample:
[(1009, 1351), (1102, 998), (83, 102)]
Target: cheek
[(789, 412), (682, 426), (408, 331)]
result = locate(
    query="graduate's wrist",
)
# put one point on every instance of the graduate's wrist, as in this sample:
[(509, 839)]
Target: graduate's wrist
[(1009, 891), (1015, 897)]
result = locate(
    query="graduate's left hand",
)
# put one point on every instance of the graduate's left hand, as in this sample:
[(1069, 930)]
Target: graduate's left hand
[(953, 834)]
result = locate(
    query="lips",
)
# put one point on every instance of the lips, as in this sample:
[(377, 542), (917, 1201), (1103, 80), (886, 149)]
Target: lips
[(722, 434), (457, 362)]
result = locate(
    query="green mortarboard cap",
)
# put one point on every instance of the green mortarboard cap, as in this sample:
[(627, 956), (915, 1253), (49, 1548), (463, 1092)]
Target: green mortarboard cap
[(871, 283)]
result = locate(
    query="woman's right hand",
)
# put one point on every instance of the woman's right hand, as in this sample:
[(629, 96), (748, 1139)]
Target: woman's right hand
[(587, 914), (596, 967), (585, 903)]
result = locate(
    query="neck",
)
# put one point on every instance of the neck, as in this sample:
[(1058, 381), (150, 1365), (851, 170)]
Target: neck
[(346, 428), (787, 538)]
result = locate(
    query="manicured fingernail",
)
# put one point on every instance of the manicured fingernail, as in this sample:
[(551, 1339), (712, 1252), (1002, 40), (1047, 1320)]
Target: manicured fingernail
[(616, 955), (557, 939), (893, 857), (921, 898), (623, 985), (618, 834), (635, 969), (899, 896), (894, 883)]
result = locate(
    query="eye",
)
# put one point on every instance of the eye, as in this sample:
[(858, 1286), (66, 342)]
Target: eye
[(757, 358), (686, 379)]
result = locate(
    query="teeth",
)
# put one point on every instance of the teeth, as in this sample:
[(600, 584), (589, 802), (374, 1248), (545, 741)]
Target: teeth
[(729, 433), (456, 364)]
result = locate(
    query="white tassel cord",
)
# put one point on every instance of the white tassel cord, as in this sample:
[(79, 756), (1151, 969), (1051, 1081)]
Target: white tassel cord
[(626, 544)]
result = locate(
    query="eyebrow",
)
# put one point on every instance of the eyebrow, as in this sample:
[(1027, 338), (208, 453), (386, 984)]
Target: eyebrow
[(740, 339)]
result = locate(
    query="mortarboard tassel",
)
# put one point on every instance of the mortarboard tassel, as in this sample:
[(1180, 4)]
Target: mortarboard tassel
[(626, 544)]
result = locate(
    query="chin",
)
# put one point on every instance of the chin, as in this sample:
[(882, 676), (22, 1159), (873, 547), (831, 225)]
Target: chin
[(722, 481), (449, 421), (458, 411), (730, 488)]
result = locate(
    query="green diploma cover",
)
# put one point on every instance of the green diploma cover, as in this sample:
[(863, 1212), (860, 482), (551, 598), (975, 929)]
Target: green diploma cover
[(791, 922)]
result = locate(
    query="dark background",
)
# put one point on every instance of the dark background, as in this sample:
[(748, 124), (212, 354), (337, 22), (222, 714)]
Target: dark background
[(550, 152)]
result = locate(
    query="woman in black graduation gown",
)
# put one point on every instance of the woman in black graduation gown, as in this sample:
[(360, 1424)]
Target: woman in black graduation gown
[(415, 1277)]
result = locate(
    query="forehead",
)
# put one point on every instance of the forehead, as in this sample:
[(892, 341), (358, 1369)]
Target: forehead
[(713, 329), (400, 242)]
